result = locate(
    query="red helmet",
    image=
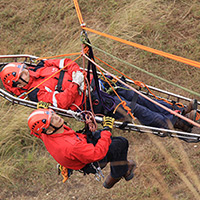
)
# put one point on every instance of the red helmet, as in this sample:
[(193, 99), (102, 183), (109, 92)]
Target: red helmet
[(11, 73), (39, 120)]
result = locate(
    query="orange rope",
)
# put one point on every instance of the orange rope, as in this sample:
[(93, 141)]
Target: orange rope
[(69, 54), (123, 103), (78, 12), (51, 76), (140, 84), (161, 53)]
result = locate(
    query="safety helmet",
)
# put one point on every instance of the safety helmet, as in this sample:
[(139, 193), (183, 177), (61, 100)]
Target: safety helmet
[(11, 72), (39, 120)]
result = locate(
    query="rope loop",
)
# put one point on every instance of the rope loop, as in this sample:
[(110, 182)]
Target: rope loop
[(91, 122)]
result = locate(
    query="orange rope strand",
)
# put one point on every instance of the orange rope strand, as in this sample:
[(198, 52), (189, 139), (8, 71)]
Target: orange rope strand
[(158, 52), (78, 12)]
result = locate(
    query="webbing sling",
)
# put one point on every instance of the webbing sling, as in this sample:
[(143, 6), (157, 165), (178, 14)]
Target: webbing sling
[(107, 101), (60, 80), (61, 76)]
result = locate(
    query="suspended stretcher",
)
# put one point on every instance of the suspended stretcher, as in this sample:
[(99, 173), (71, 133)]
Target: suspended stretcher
[(30, 60)]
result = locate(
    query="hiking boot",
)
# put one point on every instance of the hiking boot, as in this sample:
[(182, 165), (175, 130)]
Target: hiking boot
[(110, 181), (191, 106), (192, 115), (196, 129), (184, 125), (131, 167)]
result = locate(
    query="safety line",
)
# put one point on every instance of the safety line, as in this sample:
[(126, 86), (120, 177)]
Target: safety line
[(69, 54), (155, 51), (78, 11), (140, 84), (169, 110), (149, 73), (51, 76)]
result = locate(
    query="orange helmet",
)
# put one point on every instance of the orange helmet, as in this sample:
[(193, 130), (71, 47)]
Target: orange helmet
[(39, 120), (11, 72)]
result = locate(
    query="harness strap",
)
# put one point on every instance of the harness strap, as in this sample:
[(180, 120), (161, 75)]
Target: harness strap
[(61, 76), (107, 101)]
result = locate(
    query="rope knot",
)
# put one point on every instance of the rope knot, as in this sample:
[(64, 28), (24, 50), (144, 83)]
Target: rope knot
[(139, 83), (123, 103)]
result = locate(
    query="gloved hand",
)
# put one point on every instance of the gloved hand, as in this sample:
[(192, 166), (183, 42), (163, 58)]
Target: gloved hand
[(42, 104), (77, 77), (81, 88), (108, 123)]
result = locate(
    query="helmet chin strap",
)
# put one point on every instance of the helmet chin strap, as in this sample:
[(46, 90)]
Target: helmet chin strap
[(23, 80), (55, 128)]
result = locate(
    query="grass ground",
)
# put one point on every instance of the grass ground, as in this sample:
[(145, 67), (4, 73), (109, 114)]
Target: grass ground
[(167, 168)]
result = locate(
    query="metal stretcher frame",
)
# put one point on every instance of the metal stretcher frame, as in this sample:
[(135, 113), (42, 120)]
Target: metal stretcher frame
[(188, 137)]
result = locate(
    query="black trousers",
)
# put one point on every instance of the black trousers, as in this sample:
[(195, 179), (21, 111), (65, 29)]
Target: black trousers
[(117, 156)]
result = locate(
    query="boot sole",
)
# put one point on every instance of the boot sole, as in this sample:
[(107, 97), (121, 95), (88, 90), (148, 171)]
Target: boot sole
[(110, 186)]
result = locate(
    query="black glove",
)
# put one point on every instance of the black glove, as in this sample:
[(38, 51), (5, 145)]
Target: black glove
[(108, 123), (42, 104)]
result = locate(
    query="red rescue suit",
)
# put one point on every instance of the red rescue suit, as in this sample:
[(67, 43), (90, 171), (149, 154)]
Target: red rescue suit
[(70, 149), (47, 91)]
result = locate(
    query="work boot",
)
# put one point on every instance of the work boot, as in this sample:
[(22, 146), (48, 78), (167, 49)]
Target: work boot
[(184, 125), (110, 181), (196, 129), (191, 115), (131, 167), (191, 106)]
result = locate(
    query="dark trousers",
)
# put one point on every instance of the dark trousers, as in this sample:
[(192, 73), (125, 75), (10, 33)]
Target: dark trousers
[(117, 156), (145, 111)]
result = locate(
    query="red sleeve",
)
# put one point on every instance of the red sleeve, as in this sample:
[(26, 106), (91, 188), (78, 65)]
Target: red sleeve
[(59, 99), (71, 65), (87, 152)]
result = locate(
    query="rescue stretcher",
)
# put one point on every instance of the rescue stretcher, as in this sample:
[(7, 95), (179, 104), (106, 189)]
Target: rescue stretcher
[(29, 60)]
